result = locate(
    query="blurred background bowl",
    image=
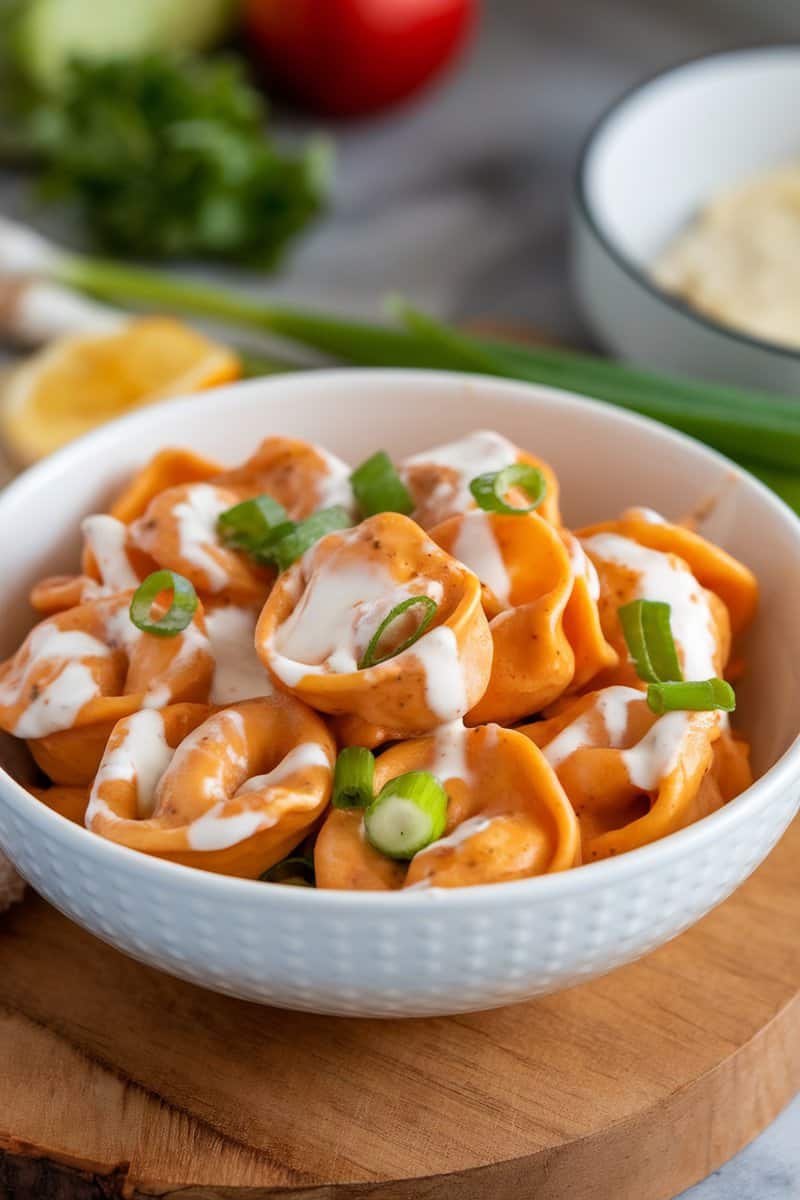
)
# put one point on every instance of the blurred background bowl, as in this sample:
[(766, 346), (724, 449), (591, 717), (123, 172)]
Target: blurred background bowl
[(656, 158)]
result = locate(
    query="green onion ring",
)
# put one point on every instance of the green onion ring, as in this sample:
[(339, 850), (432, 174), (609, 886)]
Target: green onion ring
[(430, 606), (180, 612), (489, 489), (407, 815), (705, 695)]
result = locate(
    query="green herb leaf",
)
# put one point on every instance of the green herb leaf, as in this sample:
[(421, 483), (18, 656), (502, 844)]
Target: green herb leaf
[(167, 157)]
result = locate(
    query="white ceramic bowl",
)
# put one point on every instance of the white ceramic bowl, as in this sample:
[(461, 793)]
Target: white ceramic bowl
[(405, 954), (652, 162)]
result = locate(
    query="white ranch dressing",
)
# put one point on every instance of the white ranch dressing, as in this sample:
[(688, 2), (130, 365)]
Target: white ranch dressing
[(450, 753), (477, 548), (612, 706), (642, 513), (658, 753), (663, 577), (60, 701), (335, 488), (445, 689), (307, 754), (336, 617), (478, 452), (107, 539), (239, 672), (197, 518), (213, 831), (462, 833), (581, 565), (142, 756)]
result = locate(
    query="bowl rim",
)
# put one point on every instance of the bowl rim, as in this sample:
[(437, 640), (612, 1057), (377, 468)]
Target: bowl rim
[(565, 884), (587, 210)]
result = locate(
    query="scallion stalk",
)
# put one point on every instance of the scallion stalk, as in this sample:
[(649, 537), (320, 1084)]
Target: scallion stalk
[(353, 778), (704, 695), (489, 490), (648, 634)]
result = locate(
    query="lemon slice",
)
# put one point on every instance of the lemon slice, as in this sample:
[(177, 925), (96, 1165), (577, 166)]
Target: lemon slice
[(82, 380)]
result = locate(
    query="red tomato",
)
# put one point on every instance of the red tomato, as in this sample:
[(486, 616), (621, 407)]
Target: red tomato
[(348, 57)]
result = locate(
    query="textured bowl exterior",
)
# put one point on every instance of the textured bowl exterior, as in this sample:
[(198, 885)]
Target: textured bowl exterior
[(391, 956), (437, 952)]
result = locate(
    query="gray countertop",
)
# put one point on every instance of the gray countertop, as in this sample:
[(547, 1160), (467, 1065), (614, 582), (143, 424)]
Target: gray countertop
[(461, 201)]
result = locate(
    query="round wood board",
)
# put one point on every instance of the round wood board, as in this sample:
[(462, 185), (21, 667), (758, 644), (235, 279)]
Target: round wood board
[(116, 1080)]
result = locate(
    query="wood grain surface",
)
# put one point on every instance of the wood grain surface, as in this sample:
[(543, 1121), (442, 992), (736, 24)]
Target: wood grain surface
[(117, 1080)]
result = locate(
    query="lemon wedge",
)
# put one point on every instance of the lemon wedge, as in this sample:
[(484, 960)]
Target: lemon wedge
[(82, 380)]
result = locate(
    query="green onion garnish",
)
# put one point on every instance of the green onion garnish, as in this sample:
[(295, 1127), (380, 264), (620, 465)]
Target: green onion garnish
[(378, 488), (648, 634), (370, 658), (490, 489), (180, 611), (407, 815), (290, 543), (297, 870), (705, 695), (247, 526), (352, 778)]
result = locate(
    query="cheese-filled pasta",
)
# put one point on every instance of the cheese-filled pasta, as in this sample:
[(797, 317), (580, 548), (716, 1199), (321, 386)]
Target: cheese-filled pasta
[(507, 817), (400, 673), (439, 479), (77, 673), (323, 632), (544, 619), (233, 791), (633, 776)]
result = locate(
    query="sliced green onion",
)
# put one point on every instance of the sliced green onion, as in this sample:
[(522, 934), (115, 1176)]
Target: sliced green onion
[(490, 489), (247, 526), (704, 695), (353, 778), (648, 634), (297, 871), (290, 543), (378, 488), (369, 659), (178, 615), (407, 815)]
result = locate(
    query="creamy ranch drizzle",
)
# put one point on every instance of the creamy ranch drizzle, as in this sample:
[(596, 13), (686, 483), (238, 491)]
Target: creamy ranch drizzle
[(334, 488), (472, 455), (649, 761), (59, 703), (462, 833), (339, 611), (308, 754), (582, 566), (445, 689), (107, 539), (196, 518), (661, 577), (450, 753), (476, 547), (239, 673), (641, 513), (142, 756), (612, 706)]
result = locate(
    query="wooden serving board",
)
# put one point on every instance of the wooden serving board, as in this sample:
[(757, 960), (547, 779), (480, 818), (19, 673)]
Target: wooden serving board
[(116, 1080)]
